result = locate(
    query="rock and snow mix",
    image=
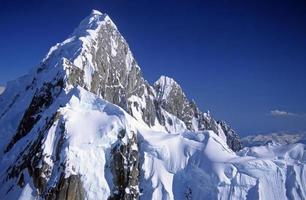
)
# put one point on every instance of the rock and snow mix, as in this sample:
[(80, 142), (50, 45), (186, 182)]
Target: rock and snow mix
[(86, 125)]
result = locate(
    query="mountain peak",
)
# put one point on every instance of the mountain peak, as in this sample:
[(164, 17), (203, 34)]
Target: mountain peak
[(165, 86), (165, 80), (94, 33), (92, 22), (96, 12)]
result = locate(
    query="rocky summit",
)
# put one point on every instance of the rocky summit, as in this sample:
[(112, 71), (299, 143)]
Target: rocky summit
[(85, 124)]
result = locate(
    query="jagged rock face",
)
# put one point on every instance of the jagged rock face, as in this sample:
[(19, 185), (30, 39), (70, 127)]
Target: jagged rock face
[(67, 189), (171, 97), (233, 139), (125, 168), (106, 66), (118, 76)]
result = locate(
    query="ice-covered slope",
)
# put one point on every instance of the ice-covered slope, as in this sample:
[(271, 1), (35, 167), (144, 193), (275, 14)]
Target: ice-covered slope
[(197, 166), (78, 147), (85, 124)]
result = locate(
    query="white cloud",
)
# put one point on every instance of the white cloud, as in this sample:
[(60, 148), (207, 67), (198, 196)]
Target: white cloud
[(283, 113)]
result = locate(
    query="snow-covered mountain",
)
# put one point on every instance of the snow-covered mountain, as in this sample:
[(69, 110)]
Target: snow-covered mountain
[(85, 124), (279, 138)]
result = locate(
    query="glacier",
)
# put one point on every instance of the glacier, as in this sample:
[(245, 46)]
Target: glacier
[(85, 124)]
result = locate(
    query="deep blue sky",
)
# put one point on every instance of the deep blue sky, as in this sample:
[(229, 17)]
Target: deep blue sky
[(238, 59)]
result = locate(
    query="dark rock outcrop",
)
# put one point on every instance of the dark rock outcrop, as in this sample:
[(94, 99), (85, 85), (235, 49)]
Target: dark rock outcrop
[(125, 168), (233, 139), (67, 189)]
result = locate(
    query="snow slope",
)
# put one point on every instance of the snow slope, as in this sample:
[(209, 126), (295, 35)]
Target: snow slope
[(186, 165), (197, 165)]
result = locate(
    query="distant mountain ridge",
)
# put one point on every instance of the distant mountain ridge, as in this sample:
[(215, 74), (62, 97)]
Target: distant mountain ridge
[(279, 138)]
